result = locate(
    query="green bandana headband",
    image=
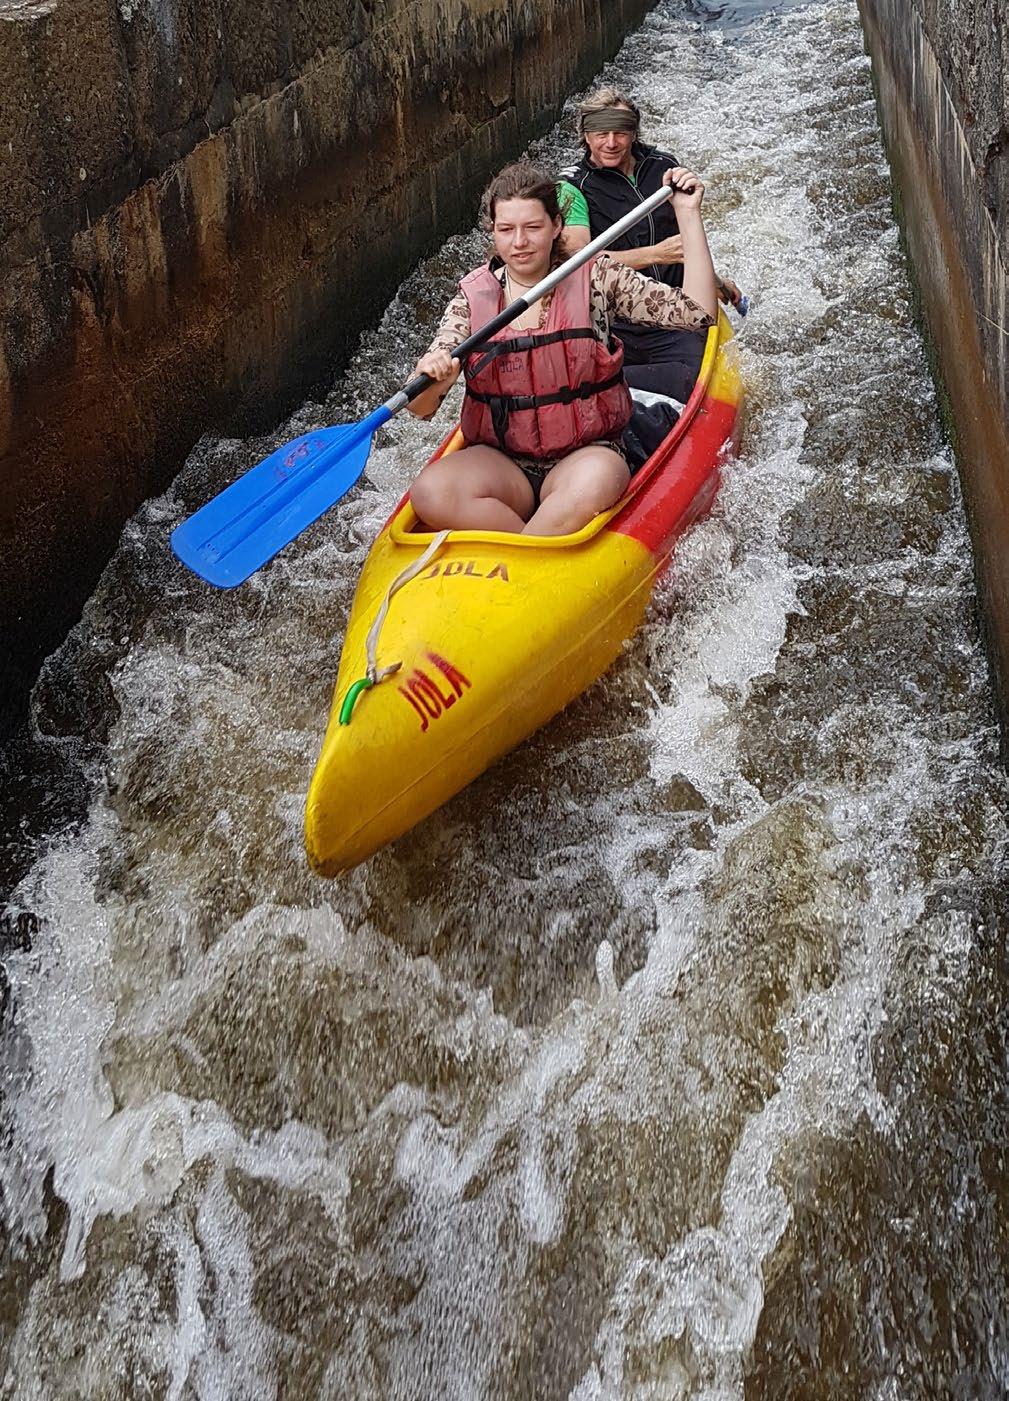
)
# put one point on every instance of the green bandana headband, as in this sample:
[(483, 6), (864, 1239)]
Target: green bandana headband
[(609, 119)]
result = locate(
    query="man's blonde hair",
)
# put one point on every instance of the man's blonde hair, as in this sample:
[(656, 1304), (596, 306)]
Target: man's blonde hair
[(599, 101)]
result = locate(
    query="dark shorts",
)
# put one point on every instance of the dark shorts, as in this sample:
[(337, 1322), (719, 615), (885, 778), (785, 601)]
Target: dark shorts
[(535, 474), (535, 469)]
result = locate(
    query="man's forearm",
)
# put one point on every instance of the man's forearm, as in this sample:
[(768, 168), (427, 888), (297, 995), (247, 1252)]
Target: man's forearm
[(636, 258)]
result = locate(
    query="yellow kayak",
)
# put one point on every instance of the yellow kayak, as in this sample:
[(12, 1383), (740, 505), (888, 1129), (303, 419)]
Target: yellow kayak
[(496, 633)]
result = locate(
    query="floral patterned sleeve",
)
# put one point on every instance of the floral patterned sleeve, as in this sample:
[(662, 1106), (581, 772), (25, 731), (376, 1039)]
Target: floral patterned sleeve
[(454, 326), (630, 296)]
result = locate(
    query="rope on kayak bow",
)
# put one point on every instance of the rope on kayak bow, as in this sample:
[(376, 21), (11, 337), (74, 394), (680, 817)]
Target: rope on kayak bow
[(375, 674)]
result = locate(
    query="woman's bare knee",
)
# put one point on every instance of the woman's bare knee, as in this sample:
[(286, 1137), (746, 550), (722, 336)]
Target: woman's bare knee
[(577, 490), (433, 496), (476, 488), (593, 485)]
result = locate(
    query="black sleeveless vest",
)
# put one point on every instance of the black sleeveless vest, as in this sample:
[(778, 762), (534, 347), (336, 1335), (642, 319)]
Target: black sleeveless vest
[(610, 195)]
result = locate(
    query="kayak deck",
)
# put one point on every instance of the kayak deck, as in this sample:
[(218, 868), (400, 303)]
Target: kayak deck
[(497, 633)]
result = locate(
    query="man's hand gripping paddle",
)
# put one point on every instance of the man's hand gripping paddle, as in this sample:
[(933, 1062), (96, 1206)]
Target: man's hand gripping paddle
[(249, 522)]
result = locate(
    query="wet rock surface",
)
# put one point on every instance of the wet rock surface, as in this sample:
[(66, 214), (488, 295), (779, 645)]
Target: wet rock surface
[(942, 93), (200, 207)]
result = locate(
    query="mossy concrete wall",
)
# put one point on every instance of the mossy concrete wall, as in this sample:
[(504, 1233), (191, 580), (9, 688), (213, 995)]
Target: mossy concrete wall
[(944, 104), (201, 203)]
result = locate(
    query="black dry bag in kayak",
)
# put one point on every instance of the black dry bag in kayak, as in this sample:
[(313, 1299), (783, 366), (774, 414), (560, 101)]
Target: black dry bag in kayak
[(649, 425)]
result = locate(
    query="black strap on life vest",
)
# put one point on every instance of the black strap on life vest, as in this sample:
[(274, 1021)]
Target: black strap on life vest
[(503, 405), (530, 342)]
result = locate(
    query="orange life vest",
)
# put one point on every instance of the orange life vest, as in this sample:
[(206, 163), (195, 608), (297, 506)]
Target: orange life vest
[(542, 393)]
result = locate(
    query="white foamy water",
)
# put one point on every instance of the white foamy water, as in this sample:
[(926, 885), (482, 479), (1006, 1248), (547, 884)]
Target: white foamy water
[(660, 1062)]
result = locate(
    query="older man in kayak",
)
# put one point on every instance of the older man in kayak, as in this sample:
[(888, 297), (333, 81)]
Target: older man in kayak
[(616, 172)]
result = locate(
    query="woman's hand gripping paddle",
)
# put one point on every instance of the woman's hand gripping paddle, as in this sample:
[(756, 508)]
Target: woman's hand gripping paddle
[(249, 522)]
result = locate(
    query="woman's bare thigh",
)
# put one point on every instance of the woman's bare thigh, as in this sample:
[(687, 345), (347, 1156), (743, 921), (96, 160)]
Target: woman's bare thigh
[(482, 471), (595, 470)]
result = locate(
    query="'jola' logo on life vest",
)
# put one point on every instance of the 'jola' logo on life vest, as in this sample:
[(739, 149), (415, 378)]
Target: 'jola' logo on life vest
[(425, 693), (466, 567)]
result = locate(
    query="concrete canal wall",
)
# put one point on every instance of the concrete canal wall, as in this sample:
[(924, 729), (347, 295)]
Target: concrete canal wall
[(939, 71), (201, 203)]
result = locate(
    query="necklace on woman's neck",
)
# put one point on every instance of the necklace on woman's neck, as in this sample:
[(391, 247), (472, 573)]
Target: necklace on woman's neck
[(514, 282)]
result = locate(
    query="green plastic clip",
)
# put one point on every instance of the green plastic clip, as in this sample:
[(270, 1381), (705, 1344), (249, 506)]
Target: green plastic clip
[(350, 699)]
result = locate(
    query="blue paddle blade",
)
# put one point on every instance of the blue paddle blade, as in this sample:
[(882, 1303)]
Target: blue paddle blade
[(250, 521)]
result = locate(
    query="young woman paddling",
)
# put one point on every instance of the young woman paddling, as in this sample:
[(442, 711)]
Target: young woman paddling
[(545, 400)]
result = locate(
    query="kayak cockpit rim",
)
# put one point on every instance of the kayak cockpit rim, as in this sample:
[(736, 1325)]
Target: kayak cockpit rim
[(401, 528)]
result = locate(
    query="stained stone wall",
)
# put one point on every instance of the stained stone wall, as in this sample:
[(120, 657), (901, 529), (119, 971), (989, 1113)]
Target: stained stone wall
[(943, 97), (201, 203)]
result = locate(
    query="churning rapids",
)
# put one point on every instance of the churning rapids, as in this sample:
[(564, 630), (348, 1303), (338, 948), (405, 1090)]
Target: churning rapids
[(667, 1060)]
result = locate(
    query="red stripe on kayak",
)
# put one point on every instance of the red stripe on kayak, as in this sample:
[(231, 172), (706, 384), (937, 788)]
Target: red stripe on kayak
[(681, 488)]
